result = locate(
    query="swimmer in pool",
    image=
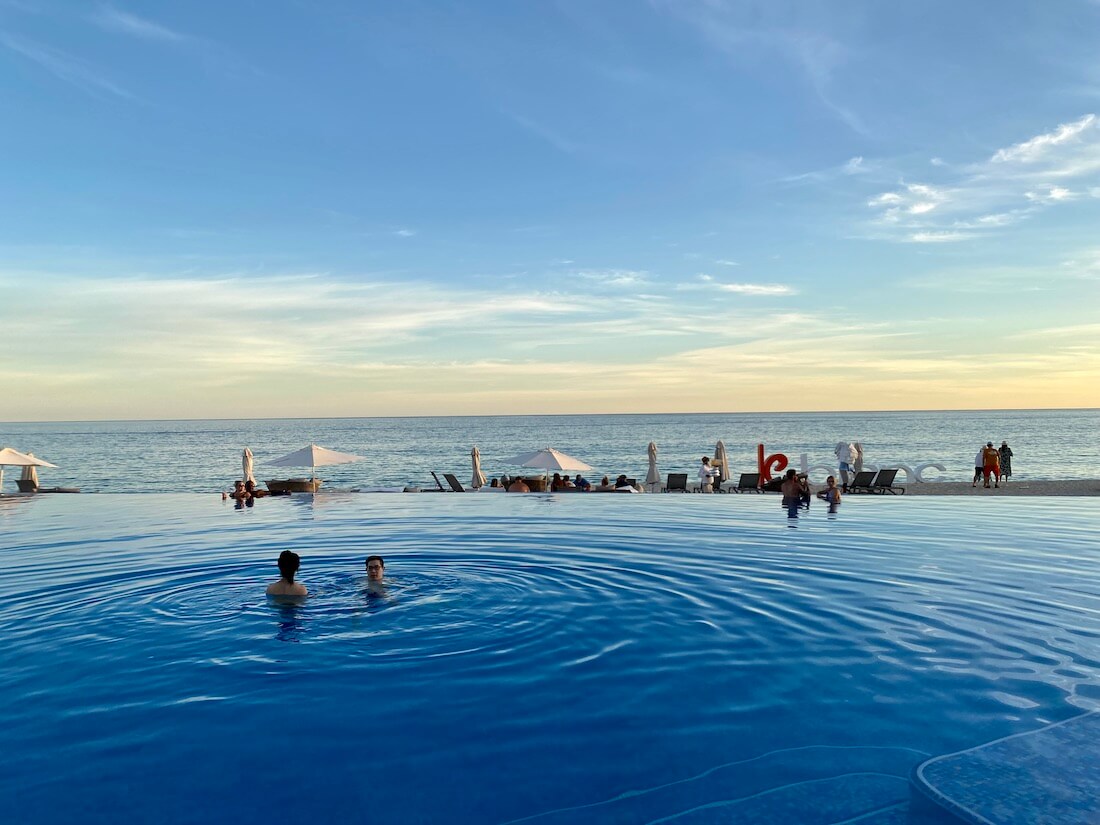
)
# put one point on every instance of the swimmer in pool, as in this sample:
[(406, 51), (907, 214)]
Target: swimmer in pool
[(289, 562), (376, 568)]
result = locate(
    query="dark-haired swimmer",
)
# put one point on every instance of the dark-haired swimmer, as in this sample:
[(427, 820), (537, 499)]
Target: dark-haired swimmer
[(289, 562), (376, 568)]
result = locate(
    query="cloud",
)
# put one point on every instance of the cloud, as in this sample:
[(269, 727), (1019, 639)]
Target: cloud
[(853, 166), (726, 262), (1050, 195), (938, 237), (404, 233), (562, 144), (1013, 184), (707, 281), (757, 289), (65, 67), (122, 22), (744, 31), (613, 277), (1035, 148)]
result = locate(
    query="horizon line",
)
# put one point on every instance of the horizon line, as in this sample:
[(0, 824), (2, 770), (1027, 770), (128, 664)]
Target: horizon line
[(547, 415)]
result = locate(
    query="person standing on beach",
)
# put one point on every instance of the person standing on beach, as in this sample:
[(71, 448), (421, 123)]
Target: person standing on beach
[(846, 458), (706, 473), (289, 562), (1006, 461), (979, 463), (991, 461)]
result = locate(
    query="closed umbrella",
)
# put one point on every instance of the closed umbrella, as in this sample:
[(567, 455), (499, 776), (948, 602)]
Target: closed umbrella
[(14, 458), (479, 477), (722, 462), (653, 477), (30, 473), (246, 466)]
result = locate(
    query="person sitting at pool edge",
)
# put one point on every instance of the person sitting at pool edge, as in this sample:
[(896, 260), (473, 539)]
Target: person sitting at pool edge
[(518, 486), (582, 483), (240, 492), (376, 568), (289, 562), (605, 486)]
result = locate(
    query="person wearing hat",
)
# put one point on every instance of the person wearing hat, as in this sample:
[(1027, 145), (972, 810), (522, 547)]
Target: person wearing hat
[(991, 464)]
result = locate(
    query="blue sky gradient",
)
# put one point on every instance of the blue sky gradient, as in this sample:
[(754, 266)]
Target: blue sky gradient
[(337, 208)]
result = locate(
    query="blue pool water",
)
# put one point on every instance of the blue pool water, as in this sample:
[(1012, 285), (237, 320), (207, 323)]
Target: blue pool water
[(536, 658)]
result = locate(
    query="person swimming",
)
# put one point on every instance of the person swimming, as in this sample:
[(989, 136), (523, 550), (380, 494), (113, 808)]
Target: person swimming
[(289, 562), (376, 568)]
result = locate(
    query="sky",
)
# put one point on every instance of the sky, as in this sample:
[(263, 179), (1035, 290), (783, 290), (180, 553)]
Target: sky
[(283, 208)]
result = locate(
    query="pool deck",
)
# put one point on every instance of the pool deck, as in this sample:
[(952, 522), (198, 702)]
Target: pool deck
[(1049, 775)]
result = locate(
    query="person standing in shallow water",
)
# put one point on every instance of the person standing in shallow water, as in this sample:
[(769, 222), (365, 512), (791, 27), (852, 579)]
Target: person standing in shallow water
[(289, 562), (1006, 461)]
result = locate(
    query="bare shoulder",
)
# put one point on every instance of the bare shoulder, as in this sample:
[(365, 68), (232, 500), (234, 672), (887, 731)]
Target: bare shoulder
[(281, 588)]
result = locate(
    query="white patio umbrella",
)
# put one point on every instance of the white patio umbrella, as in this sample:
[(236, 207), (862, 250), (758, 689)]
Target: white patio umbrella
[(246, 465), (30, 473), (722, 462), (653, 477), (14, 458), (313, 457), (548, 459), (479, 477)]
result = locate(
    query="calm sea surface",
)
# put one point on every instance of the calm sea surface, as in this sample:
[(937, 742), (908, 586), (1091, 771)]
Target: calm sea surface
[(544, 659), (203, 456)]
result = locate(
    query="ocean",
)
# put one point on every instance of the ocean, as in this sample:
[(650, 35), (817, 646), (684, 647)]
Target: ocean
[(205, 455)]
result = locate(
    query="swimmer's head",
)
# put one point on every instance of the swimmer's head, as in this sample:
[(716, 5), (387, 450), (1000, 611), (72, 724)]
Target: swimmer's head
[(289, 562), (792, 473), (376, 566)]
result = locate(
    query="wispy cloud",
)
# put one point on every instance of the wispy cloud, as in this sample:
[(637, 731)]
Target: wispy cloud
[(545, 133), (404, 233), (65, 67), (744, 30), (853, 166), (1033, 149), (707, 281), (978, 198), (114, 20)]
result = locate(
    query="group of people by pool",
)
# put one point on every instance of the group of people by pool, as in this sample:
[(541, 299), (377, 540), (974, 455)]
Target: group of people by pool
[(289, 562), (560, 483)]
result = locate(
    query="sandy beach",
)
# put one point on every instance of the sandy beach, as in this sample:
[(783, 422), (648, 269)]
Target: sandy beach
[(1074, 487)]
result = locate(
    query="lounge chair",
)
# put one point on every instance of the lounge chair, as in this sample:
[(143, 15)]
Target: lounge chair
[(884, 483), (27, 486), (864, 482), (456, 486), (677, 483), (748, 483)]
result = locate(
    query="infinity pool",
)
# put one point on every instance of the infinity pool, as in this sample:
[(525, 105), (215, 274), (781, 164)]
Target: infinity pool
[(537, 659)]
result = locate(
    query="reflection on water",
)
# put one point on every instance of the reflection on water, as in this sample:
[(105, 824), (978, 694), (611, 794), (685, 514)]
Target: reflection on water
[(289, 613)]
